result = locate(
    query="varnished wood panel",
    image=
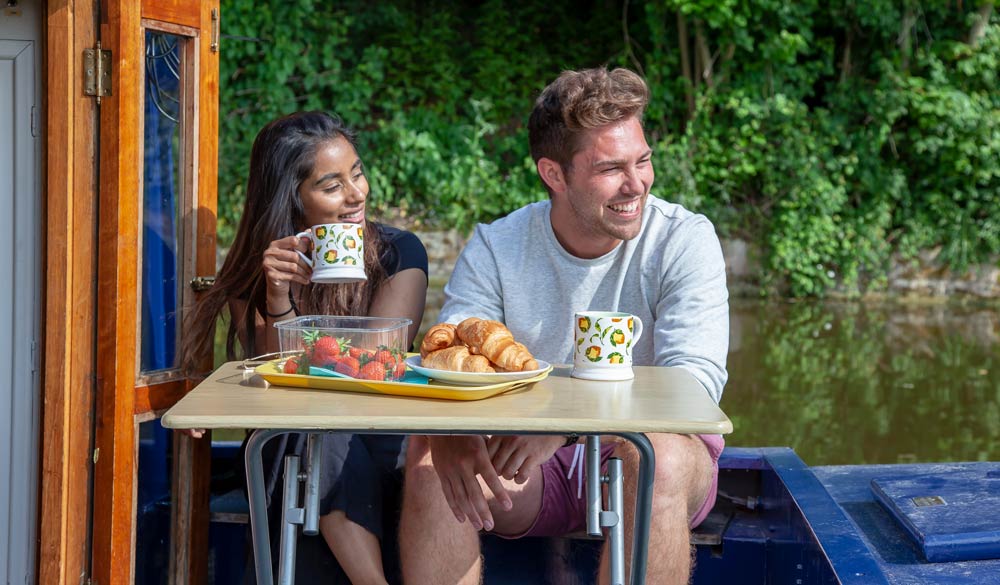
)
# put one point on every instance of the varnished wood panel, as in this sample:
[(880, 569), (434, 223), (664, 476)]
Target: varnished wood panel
[(68, 326), (157, 398), (186, 12), (208, 157), (118, 283)]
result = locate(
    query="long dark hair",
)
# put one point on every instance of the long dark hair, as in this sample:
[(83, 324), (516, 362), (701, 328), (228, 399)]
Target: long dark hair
[(282, 157)]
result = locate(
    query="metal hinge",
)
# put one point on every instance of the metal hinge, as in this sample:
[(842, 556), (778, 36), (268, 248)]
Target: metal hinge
[(214, 43), (97, 72), (34, 122), (202, 283)]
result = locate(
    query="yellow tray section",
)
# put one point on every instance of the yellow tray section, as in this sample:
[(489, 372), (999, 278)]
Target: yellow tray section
[(271, 371)]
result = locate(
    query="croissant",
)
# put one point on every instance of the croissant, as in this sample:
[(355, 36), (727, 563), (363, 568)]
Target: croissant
[(456, 359), (493, 340), (438, 337)]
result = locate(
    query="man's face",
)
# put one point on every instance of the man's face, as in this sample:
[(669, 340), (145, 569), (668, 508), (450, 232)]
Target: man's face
[(605, 190)]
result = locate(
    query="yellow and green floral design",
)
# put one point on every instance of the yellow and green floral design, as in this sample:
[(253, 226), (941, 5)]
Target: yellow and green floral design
[(604, 339)]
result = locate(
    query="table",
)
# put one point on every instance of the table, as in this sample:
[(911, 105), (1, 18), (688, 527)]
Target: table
[(657, 400)]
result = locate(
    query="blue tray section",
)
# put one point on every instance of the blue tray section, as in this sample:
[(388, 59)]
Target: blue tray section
[(951, 516), (900, 560)]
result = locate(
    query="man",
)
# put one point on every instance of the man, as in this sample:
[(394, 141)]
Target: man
[(601, 242)]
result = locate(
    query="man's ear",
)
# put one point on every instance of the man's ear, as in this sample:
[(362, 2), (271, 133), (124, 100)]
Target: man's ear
[(552, 174)]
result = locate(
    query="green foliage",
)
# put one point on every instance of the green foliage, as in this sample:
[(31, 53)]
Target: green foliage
[(834, 134)]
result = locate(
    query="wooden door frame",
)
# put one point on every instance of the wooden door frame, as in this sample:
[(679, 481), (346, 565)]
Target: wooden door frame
[(119, 279), (68, 362), (90, 404)]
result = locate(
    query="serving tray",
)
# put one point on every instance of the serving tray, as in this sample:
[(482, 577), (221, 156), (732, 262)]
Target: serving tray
[(272, 372)]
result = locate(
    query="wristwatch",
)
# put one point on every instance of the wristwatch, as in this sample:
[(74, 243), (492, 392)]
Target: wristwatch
[(571, 439)]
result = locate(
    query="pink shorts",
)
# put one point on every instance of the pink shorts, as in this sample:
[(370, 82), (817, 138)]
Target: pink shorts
[(562, 512)]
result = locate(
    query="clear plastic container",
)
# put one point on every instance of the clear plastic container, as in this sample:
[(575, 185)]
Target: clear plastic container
[(370, 348)]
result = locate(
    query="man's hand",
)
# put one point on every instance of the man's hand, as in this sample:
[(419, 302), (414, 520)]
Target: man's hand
[(457, 461), (515, 456)]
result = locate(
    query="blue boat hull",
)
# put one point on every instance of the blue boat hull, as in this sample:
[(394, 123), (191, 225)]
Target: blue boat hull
[(776, 521)]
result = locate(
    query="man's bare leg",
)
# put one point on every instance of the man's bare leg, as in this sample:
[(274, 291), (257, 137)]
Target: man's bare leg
[(682, 480), (356, 549), (433, 546)]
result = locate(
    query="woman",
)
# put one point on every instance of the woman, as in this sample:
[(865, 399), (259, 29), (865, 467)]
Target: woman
[(304, 171)]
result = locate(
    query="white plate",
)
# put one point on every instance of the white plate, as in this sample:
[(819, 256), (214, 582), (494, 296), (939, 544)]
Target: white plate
[(474, 378)]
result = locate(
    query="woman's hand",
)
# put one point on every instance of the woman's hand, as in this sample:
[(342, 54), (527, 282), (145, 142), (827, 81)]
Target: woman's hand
[(283, 266), (194, 433)]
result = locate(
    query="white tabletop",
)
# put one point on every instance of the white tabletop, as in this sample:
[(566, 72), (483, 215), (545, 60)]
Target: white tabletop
[(656, 400)]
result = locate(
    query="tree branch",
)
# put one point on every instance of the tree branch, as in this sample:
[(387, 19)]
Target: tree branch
[(845, 61), (982, 21), (703, 54), (628, 40), (682, 41)]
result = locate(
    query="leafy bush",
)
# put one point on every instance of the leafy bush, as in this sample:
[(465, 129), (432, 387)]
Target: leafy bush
[(834, 134)]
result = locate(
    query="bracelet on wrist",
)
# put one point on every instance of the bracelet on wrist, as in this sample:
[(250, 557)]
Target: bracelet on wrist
[(291, 307), (571, 439), (276, 315)]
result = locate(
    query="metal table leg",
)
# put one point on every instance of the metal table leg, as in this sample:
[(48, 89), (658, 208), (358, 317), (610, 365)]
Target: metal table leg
[(613, 518), (595, 519), (256, 494), (643, 504), (292, 515), (597, 516)]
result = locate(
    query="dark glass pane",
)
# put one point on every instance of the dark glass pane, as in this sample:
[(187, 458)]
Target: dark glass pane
[(161, 242), (152, 526)]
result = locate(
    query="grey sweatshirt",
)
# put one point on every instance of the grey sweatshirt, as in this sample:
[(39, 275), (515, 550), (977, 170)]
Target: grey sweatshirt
[(672, 276)]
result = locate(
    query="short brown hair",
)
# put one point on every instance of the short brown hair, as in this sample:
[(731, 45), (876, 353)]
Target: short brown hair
[(581, 100)]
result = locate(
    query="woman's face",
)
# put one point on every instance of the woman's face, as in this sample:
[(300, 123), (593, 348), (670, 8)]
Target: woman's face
[(336, 190)]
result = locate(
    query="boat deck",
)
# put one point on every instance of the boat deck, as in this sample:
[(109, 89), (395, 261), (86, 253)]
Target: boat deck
[(892, 548)]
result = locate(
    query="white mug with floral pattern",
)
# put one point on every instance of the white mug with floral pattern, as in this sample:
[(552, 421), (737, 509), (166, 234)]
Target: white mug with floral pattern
[(338, 252), (602, 345)]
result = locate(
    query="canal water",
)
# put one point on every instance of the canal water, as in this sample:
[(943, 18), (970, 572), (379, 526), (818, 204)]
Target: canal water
[(866, 383)]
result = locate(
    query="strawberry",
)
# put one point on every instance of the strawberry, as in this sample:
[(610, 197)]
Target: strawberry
[(384, 355), (323, 349), (348, 366), (400, 370), (326, 350), (291, 365), (362, 355), (373, 370)]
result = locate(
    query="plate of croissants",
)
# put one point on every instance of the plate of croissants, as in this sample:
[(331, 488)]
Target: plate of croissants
[(475, 352)]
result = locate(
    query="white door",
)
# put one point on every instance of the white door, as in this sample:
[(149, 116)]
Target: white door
[(20, 297)]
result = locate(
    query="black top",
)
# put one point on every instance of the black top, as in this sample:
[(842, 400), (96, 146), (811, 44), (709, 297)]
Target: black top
[(402, 250)]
